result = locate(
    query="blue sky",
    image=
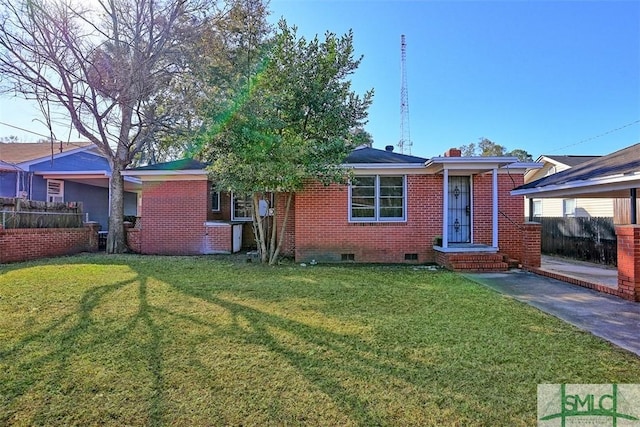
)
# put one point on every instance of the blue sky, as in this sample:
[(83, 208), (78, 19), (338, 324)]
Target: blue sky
[(538, 75), (545, 76)]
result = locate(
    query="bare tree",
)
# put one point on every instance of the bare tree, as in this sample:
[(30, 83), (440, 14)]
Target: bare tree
[(108, 66)]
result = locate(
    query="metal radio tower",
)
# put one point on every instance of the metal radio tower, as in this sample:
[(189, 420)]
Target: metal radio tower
[(405, 135)]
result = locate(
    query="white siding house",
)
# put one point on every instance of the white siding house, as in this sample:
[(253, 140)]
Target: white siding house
[(564, 207)]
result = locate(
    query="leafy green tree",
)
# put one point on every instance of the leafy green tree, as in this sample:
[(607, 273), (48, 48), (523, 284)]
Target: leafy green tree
[(487, 148), (293, 122), (522, 155)]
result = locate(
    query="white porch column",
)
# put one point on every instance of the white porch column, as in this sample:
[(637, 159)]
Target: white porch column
[(494, 188), (445, 209)]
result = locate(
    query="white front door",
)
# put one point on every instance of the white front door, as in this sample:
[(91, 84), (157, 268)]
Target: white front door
[(459, 212)]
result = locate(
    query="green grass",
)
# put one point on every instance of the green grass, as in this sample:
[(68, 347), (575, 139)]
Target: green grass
[(132, 340)]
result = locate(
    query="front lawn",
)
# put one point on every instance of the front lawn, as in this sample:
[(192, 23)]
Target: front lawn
[(132, 340)]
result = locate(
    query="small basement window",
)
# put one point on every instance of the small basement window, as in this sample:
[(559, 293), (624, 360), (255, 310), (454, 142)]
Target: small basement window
[(348, 257), (410, 257)]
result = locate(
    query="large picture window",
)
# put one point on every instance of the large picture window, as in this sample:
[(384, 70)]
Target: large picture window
[(377, 198)]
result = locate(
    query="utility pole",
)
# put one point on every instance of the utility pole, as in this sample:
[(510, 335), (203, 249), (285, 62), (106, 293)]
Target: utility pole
[(404, 145)]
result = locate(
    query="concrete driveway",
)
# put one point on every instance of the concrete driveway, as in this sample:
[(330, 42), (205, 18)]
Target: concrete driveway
[(612, 318)]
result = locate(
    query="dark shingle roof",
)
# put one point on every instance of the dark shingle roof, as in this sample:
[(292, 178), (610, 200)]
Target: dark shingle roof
[(570, 160), (176, 165), (357, 156), (620, 162), (373, 155)]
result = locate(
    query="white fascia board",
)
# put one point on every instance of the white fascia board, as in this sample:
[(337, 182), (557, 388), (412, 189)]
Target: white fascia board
[(524, 165), (25, 165), (74, 174), (589, 186), (544, 158), (475, 164)]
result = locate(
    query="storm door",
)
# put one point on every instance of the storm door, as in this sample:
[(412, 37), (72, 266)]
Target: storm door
[(459, 215)]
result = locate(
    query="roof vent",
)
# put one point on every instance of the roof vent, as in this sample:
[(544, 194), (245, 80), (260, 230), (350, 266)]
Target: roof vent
[(389, 148)]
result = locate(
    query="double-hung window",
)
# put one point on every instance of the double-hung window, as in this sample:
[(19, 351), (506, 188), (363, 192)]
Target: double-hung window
[(377, 198)]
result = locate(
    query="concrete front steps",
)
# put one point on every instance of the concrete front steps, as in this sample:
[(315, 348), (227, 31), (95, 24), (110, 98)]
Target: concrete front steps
[(475, 261)]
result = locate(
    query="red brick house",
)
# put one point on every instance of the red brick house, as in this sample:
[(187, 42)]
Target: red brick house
[(456, 211)]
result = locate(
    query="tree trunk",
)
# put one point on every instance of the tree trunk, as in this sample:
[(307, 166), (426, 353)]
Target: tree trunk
[(258, 229), (283, 230), (116, 242)]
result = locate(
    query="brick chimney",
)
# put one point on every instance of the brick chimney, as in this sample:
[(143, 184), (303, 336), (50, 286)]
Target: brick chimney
[(453, 152)]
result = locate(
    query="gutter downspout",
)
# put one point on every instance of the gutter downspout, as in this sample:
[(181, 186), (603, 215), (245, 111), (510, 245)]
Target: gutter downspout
[(633, 211)]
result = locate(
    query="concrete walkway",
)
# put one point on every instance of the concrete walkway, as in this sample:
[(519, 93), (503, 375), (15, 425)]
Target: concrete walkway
[(586, 271), (612, 318)]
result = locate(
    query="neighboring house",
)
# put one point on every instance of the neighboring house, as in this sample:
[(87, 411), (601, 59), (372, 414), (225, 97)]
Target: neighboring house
[(62, 172), (457, 211), (615, 176), (569, 206)]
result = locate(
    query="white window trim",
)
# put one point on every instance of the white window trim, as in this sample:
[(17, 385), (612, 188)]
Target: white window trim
[(211, 194), (575, 208), (233, 211), (377, 203), (538, 214), (60, 194)]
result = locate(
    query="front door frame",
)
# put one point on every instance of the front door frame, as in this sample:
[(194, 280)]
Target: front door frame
[(460, 211), (494, 210)]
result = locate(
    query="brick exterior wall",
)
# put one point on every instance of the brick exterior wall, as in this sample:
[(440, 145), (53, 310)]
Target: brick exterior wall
[(24, 244), (510, 218), (173, 217), (323, 232), (318, 227), (629, 261), (218, 239), (289, 243)]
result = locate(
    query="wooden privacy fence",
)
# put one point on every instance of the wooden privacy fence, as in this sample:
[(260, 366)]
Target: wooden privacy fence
[(19, 213), (584, 238)]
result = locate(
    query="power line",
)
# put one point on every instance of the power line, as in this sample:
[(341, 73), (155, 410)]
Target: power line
[(597, 136), (31, 132)]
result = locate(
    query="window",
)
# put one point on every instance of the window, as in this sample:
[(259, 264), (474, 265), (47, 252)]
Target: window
[(55, 190), (569, 207), (537, 208), (215, 201), (242, 208), (377, 198)]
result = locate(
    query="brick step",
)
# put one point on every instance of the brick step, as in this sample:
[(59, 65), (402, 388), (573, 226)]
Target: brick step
[(479, 266), (476, 257)]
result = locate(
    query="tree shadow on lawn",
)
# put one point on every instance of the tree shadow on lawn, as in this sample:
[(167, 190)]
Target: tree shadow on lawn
[(358, 375), (44, 358), (371, 382)]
